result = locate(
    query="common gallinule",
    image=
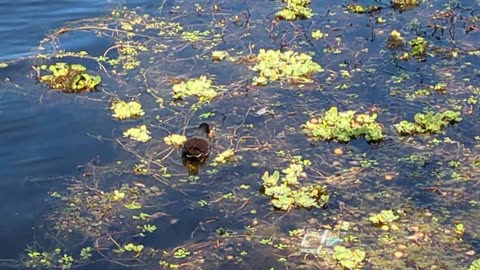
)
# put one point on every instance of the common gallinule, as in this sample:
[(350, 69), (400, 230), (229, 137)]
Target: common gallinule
[(197, 148)]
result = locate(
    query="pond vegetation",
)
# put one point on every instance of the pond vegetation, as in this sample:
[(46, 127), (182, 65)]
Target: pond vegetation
[(307, 104)]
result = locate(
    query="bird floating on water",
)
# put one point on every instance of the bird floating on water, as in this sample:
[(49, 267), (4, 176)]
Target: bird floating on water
[(197, 148)]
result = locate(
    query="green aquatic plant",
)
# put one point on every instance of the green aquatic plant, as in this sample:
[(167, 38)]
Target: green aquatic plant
[(65, 261), (181, 253), (52, 260), (86, 253), (224, 157), (133, 248), (126, 110), (37, 259), (69, 78), (384, 217), (219, 55), (274, 65), (419, 48), (295, 9), (395, 40), (459, 229), (139, 133), (475, 265), (343, 126), (428, 123), (318, 34), (348, 258), (176, 140), (91, 212), (405, 4), (201, 87), (357, 8), (286, 192)]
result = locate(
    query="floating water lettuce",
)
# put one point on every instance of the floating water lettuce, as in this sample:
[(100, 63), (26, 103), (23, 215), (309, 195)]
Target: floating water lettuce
[(405, 4), (295, 9), (139, 133), (384, 219), (419, 48), (475, 265), (343, 126), (219, 55), (318, 34), (395, 40), (348, 258), (175, 140), (224, 157), (274, 65), (69, 78), (286, 192), (126, 110), (202, 87), (428, 123)]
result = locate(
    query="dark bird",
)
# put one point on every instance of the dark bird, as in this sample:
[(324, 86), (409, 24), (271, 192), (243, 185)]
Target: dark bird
[(197, 148)]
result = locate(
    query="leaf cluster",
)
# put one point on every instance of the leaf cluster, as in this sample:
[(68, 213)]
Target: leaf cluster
[(224, 157), (287, 194), (273, 65), (139, 133), (348, 258), (200, 87), (475, 265), (405, 4), (428, 123), (383, 218), (360, 9), (126, 110), (69, 78), (343, 126), (295, 9), (176, 140), (419, 47)]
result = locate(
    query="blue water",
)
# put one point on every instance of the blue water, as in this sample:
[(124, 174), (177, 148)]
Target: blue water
[(43, 135)]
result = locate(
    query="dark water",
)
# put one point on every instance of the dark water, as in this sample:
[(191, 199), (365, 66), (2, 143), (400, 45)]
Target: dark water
[(41, 138)]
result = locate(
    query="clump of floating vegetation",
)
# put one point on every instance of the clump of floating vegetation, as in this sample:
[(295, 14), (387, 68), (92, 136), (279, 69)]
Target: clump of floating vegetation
[(348, 258), (405, 4), (201, 87), (318, 34), (395, 40), (126, 110), (419, 48), (295, 9), (475, 265), (286, 191), (139, 133), (224, 157), (91, 213), (384, 219), (428, 123), (176, 140), (343, 126), (357, 8), (56, 259), (273, 65), (219, 55), (69, 78)]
